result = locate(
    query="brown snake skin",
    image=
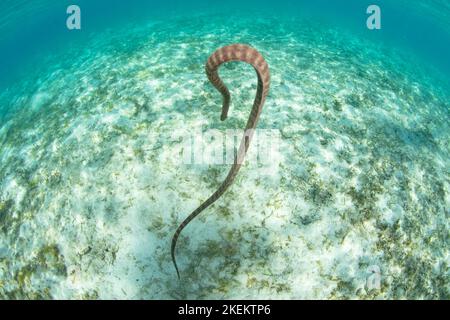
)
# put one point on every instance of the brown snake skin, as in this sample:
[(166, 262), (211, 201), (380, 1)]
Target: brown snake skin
[(234, 52)]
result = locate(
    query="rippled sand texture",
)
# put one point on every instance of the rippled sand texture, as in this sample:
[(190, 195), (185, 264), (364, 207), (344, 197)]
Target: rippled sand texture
[(91, 193)]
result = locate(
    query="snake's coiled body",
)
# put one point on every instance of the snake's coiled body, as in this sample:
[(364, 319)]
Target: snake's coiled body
[(234, 52)]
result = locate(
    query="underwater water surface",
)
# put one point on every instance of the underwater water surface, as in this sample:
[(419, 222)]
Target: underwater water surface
[(92, 189)]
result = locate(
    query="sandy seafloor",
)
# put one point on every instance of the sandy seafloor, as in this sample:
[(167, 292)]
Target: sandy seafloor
[(91, 190)]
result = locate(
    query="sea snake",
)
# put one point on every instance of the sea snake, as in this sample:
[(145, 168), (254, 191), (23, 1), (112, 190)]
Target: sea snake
[(234, 52)]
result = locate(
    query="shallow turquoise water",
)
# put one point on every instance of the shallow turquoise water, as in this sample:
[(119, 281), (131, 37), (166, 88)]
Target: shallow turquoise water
[(91, 189)]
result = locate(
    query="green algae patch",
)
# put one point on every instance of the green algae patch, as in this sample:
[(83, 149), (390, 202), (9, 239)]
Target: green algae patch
[(51, 258)]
